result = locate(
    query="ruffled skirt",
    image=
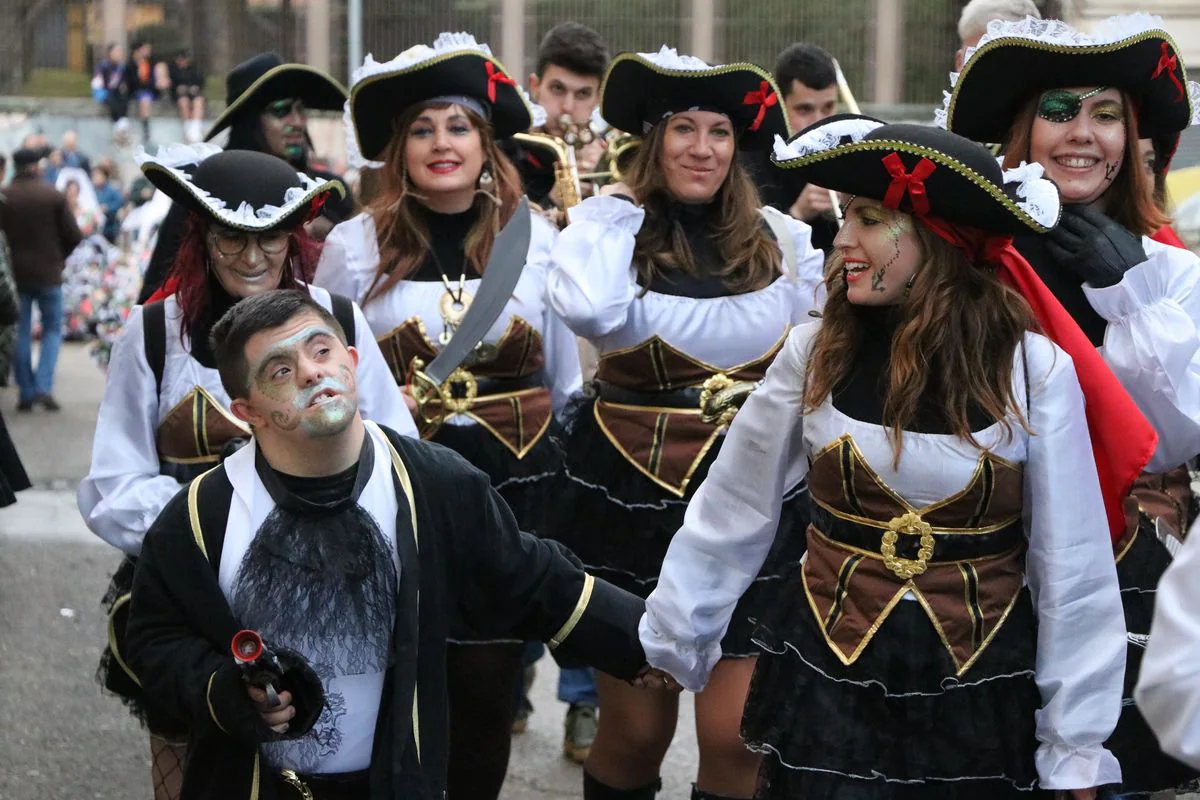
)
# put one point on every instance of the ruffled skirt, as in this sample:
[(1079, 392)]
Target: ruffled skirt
[(524, 484), (1145, 768), (896, 723), (619, 523)]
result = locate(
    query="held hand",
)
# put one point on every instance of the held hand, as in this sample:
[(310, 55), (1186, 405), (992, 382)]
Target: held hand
[(276, 717), (651, 678), (812, 203), (1097, 249), (588, 156)]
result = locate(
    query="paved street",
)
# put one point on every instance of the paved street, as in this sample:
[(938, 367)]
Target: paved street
[(60, 737)]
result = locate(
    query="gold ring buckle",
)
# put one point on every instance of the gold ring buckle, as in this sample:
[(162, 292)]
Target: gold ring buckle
[(456, 395), (292, 779), (909, 524)]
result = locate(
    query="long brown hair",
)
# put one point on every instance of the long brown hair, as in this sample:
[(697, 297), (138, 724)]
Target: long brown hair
[(401, 231), (751, 257), (1129, 199), (954, 345)]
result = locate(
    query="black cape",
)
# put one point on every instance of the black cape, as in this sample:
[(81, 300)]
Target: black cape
[(472, 557)]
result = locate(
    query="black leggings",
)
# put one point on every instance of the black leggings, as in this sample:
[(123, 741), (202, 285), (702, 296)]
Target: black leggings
[(480, 680)]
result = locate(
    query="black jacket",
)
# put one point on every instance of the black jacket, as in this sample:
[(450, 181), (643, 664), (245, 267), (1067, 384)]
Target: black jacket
[(471, 556)]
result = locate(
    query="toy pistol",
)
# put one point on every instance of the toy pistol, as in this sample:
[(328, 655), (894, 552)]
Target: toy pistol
[(260, 666)]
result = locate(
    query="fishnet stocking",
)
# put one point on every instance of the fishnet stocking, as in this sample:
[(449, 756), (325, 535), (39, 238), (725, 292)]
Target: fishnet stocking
[(166, 767)]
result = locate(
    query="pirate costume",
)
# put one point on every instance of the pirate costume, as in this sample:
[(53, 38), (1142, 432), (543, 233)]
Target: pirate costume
[(210, 566), (669, 351), (250, 89), (1140, 309), (164, 418), (498, 408), (952, 630)]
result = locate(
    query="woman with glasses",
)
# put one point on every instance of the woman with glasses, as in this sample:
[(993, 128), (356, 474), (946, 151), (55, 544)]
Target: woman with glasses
[(1077, 104), (164, 418)]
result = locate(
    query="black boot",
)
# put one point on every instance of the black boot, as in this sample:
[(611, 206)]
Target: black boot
[(699, 795), (595, 790)]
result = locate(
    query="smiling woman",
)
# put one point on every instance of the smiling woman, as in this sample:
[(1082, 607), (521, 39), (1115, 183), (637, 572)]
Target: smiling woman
[(1077, 103)]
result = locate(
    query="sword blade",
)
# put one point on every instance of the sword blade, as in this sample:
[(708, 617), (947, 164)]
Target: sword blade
[(504, 268)]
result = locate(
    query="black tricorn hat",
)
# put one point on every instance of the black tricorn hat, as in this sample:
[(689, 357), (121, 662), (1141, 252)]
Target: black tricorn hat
[(456, 65), (1015, 61), (265, 78), (639, 90), (921, 170), (241, 189)]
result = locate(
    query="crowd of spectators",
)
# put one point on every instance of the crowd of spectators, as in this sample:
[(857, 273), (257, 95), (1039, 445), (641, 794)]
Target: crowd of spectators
[(141, 80)]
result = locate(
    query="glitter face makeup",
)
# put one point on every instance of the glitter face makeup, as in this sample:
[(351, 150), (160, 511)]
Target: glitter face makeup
[(878, 243), (305, 380), (1084, 153)]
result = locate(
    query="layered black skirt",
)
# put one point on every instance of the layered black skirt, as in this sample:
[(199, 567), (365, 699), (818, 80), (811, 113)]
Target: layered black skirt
[(896, 723), (619, 523), (1145, 768), (524, 483), (12, 473)]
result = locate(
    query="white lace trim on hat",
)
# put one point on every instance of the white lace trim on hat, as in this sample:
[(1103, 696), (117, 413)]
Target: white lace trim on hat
[(245, 215), (418, 54), (670, 58), (1053, 31), (826, 137), (354, 156), (1036, 196)]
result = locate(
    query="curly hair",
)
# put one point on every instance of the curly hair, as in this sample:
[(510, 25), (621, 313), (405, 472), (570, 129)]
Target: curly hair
[(959, 327)]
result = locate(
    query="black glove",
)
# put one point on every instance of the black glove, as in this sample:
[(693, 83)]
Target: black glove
[(234, 712), (1095, 248)]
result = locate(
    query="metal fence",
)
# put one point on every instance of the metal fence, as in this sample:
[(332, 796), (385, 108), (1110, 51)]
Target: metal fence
[(68, 34)]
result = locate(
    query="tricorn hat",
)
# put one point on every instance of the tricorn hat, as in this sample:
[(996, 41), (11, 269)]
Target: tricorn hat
[(640, 90), (265, 78), (456, 66), (921, 170), (241, 189), (1015, 61)]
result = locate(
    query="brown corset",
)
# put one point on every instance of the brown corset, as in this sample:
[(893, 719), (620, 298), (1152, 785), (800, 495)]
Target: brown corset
[(192, 435), (963, 557), (1157, 499), (667, 444), (517, 417)]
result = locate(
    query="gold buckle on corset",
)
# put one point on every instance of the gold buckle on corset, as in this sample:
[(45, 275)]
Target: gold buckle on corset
[(292, 779), (909, 524), (721, 397)]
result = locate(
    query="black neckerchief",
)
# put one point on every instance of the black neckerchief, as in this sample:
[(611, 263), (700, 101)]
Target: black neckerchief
[(294, 503)]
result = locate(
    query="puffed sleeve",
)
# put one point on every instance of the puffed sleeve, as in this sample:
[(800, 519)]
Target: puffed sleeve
[(123, 492), (592, 281), (729, 525), (348, 258), (379, 396), (1073, 581), (562, 373), (1153, 345), (1168, 689), (803, 264)]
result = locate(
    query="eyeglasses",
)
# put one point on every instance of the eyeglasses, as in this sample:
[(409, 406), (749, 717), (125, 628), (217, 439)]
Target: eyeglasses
[(1061, 105), (282, 108), (230, 243)]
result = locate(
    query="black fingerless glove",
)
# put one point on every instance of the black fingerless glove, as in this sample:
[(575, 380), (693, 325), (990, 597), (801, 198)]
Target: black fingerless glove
[(1094, 247), (231, 708), (308, 693)]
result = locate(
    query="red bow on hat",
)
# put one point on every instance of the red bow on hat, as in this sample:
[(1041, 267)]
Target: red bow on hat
[(1169, 63), (496, 76), (1122, 440), (315, 207), (910, 183), (765, 97)]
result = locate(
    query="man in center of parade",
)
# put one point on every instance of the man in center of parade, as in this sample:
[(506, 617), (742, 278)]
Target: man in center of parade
[(266, 105), (344, 546)]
